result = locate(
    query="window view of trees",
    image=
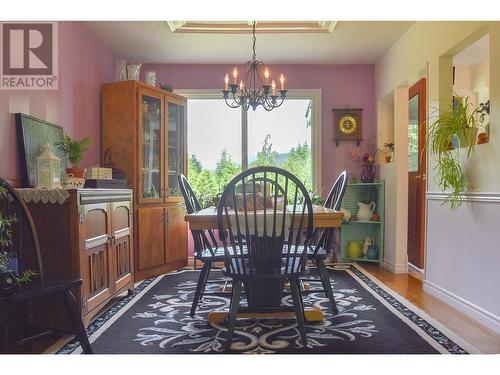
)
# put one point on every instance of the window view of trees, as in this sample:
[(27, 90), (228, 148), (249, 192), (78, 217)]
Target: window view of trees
[(207, 183), (281, 138)]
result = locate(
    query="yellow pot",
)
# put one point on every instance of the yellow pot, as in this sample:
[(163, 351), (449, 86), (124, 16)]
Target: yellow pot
[(354, 249)]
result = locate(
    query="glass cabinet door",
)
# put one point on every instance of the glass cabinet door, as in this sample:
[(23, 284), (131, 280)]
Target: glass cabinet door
[(150, 135), (176, 144)]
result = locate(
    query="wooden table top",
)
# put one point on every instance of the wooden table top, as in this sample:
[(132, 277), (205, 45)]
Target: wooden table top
[(207, 218)]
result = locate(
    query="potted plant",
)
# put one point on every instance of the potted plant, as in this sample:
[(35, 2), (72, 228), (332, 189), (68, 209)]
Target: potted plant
[(387, 150), (74, 151), (458, 121), (9, 277)]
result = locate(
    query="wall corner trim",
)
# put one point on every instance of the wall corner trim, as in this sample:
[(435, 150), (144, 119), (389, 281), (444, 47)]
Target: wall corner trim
[(395, 268), (482, 316)]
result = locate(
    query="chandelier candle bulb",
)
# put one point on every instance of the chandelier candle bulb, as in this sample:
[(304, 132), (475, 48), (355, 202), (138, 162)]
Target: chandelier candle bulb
[(226, 81), (235, 74), (282, 81), (273, 86), (241, 86), (266, 76)]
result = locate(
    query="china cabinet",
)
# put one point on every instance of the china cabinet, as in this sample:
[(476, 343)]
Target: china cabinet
[(144, 129)]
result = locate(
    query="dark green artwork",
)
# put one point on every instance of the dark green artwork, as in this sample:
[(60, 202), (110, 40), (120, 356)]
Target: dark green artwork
[(32, 134)]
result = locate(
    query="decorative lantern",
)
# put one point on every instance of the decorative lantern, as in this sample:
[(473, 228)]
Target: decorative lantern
[(48, 169)]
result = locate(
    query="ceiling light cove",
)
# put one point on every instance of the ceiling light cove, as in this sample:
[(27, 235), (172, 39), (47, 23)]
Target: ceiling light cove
[(244, 27)]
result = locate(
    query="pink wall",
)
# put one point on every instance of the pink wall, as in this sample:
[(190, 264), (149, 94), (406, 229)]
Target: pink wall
[(341, 86), (84, 65)]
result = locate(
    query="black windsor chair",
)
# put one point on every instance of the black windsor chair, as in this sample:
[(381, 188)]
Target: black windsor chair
[(264, 234)]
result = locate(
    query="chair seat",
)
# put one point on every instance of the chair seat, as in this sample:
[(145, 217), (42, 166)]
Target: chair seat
[(321, 253), (293, 269), (218, 255)]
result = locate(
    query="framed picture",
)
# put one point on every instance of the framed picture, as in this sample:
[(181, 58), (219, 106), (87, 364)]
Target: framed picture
[(32, 134)]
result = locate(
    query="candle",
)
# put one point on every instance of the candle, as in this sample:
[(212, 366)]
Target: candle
[(226, 81), (235, 74), (241, 85), (282, 81), (273, 86), (266, 76)]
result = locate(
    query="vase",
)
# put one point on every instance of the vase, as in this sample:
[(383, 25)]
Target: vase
[(150, 77), (133, 71), (368, 174), (76, 172), (365, 211), (354, 249), (121, 70), (367, 242), (372, 252), (467, 137)]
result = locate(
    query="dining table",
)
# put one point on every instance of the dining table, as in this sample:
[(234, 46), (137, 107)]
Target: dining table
[(323, 218)]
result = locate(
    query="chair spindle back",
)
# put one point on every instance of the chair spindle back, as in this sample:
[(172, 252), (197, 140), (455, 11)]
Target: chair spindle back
[(262, 217)]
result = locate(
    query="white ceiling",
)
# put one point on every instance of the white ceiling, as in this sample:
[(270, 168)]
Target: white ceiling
[(352, 42)]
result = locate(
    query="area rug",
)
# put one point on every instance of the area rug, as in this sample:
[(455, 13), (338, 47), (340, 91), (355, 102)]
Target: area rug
[(372, 319)]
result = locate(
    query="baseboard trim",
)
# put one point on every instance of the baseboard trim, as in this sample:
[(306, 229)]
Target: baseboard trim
[(395, 268), (414, 268), (482, 316)]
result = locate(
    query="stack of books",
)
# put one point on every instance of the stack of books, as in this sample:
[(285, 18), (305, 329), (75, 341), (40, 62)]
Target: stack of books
[(102, 178)]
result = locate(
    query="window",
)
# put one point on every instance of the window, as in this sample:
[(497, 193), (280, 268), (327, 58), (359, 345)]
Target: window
[(222, 141), (282, 138)]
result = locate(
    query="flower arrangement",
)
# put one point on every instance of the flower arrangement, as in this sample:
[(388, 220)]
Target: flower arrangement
[(368, 163)]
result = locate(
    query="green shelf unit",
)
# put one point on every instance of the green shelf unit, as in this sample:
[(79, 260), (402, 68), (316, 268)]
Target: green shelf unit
[(357, 230)]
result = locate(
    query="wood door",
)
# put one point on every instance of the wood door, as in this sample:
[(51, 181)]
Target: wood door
[(122, 266), (151, 147), (150, 249), (416, 173), (95, 255), (176, 234)]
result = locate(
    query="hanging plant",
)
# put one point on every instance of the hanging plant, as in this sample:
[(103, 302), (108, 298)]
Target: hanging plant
[(458, 122)]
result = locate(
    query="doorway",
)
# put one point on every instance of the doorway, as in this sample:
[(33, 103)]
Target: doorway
[(417, 136)]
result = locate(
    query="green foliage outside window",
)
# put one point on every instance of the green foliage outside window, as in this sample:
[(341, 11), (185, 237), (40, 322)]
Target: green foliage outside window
[(208, 183)]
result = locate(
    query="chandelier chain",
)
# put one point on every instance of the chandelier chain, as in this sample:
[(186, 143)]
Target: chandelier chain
[(254, 41)]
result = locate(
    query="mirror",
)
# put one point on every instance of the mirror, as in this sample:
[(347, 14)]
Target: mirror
[(471, 81)]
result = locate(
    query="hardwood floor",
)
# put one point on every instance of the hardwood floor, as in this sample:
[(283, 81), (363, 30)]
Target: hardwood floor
[(411, 288)]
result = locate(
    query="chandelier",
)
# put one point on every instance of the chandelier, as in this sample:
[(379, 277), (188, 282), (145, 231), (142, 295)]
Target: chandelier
[(254, 89)]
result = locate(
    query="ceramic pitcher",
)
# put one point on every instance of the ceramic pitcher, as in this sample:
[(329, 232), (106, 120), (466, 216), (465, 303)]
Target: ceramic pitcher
[(365, 211)]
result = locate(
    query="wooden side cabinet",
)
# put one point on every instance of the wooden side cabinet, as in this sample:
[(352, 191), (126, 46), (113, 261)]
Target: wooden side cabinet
[(88, 236)]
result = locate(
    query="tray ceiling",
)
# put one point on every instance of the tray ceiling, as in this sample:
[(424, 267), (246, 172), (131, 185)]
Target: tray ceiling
[(325, 42), (245, 27)]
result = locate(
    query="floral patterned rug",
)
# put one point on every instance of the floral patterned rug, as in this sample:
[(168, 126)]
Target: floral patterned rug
[(371, 319)]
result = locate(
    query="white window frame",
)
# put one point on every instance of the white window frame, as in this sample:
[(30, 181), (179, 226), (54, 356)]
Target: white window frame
[(311, 94)]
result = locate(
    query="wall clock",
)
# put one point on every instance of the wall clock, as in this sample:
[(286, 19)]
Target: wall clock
[(347, 125)]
